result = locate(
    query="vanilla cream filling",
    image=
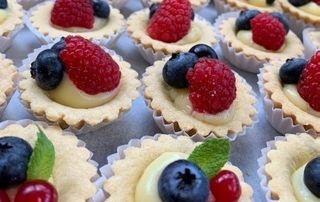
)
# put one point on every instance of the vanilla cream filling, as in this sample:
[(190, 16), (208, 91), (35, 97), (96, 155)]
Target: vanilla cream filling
[(147, 187), (311, 8), (4, 13), (180, 99), (302, 193), (245, 36), (259, 3), (193, 35), (68, 94), (292, 93), (98, 24)]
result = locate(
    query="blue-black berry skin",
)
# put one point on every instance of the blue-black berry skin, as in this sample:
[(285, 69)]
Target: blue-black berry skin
[(270, 2), (311, 176), (101, 9), (3, 4), (298, 3), (183, 181), (14, 158), (243, 20), (59, 46), (47, 70), (175, 70), (291, 70), (283, 19), (203, 50)]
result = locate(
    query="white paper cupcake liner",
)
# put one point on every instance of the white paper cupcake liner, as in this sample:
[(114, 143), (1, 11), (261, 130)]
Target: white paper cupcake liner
[(222, 7), (276, 117), (26, 122), (5, 41), (106, 170), (173, 128), (105, 41), (86, 127), (309, 47), (26, 4), (238, 59), (118, 3), (297, 25), (150, 55)]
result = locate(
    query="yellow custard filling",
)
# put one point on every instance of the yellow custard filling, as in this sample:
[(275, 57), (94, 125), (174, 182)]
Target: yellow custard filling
[(193, 35), (292, 93), (147, 187), (302, 193), (181, 100), (3, 14), (68, 94), (311, 8), (245, 36), (98, 24)]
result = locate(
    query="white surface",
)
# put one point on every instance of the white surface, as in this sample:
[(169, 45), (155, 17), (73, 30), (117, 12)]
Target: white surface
[(138, 121)]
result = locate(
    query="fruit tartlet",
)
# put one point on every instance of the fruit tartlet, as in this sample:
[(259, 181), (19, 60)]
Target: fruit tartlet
[(223, 6), (77, 84), (10, 22), (161, 30), (195, 94), (91, 19), (170, 168), (43, 162), (291, 94), (311, 41), (301, 14), (8, 74), (290, 169), (251, 38), (196, 4)]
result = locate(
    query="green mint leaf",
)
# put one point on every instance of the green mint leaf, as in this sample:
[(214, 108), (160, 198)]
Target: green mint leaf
[(42, 159), (211, 156)]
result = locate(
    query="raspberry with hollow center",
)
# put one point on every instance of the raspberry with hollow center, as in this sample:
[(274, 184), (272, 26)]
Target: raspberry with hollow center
[(171, 22), (212, 86), (309, 83), (73, 13), (268, 31), (88, 66)]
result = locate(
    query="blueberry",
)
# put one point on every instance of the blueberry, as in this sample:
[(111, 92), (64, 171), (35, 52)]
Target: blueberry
[(59, 46), (291, 70), (183, 181), (203, 50), (101, 9), (283, 19), (175, 70), (3, 4), (14, 157), (311, 176), (270, 2), (155, 6), (243, 21), (47, 70), (299, 2)]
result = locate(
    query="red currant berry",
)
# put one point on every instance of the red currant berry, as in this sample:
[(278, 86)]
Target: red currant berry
[(36, 191), (4, 196), (225, 187)]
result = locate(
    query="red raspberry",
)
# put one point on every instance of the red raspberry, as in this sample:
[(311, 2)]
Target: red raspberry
[(89, 67), (268, 31), (73, 13), (316, 1), (171, 22), (212, 86), (309, 83)]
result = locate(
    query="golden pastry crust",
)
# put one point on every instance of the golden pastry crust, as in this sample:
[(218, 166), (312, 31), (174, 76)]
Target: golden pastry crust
[(8, 74), (299, 14), (137, 25), (13, 20), (138, 159), (194, 3), (284, 159), (242, 5), (40, 20), (40, 104), (293, 46), (273, 89), (160, 101), (71, 164)]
